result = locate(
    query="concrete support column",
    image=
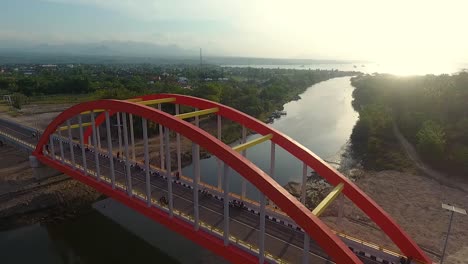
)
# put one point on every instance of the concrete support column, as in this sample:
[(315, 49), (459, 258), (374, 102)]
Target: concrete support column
[(83, 152), (41, 171), (147, 167), (96, 150), (244, 153), (261, 257), (179, 157), (161, 142), (168, 172), (62, 154), (196, 181), (119, 132), (98, 132), (132, 136), (70, 143), (226, 203), (220, 163), (127, 156), (52, 147), (109, 149)]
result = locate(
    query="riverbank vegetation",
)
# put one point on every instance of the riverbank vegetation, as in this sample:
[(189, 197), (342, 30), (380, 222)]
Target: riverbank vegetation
[(430, 111), (257, 92)]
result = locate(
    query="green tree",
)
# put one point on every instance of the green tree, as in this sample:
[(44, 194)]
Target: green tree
[(210, 91), (18, 100), (431, 140)]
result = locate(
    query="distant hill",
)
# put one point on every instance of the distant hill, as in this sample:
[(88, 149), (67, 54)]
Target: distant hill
[(108, 52), (104, 48), (269, 61)]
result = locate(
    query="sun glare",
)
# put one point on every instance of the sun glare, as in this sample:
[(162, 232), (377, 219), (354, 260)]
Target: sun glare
[(411, 67)]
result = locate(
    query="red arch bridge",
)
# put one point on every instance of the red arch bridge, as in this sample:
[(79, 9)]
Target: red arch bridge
[(94, 142)]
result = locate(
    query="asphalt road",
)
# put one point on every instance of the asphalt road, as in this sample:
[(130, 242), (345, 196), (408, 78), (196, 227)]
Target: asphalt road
[(280, 240)]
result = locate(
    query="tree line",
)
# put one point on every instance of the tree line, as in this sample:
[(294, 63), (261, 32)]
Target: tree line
[(430, 111), (257, 92)]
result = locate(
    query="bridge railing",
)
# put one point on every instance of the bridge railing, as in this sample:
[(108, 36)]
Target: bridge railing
[(181, 195), (137, 193), (125, 175)]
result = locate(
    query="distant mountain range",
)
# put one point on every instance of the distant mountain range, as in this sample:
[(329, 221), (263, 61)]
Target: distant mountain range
[(109, 52), (104, 48)]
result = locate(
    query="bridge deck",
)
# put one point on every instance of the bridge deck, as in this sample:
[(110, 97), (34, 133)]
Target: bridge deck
[(283, 242)]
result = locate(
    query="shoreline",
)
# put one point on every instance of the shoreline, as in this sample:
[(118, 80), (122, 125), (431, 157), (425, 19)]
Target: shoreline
[(46, 211), (317, 187), (25, 200)]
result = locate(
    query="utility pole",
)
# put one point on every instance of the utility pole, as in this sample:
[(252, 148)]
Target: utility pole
[(452, 210)]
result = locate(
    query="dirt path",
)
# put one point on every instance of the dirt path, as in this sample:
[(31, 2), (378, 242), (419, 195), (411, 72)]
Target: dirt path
[(414, 202), (425, 168)]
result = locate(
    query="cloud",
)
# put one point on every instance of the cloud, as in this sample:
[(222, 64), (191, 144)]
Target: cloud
[(151, 10), (361, 29)]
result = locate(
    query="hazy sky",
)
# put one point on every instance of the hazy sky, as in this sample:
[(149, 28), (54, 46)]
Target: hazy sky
[(359, 29)]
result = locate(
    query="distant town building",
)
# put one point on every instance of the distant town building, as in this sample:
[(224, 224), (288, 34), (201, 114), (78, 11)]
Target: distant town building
[(182, 80), (156, 78)]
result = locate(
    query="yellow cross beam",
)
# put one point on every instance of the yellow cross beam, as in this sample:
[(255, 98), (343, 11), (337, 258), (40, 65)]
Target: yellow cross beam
[(197, 113), (252, 143), (95, 111), (328, 200), (157, 101), (74, 126)]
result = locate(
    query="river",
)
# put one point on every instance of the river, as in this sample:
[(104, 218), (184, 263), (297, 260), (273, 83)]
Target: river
[(321, 120)]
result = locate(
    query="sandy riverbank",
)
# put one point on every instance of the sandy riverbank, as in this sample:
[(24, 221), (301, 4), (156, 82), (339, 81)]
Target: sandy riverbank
[(414, 201), (24, 200), (411, 198)]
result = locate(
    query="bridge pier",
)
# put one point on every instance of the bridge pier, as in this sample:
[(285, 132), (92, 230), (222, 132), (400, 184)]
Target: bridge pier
[(41, 171)]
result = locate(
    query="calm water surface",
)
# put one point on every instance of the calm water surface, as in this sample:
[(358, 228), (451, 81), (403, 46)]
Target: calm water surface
[(322, 120)]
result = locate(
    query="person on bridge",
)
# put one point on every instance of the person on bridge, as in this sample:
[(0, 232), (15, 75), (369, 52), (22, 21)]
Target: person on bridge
[(118, 154), (163, 200)]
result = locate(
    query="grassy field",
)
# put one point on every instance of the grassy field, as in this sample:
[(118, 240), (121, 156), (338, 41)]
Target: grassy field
[(4, 108), (62, 99), (7, 109)]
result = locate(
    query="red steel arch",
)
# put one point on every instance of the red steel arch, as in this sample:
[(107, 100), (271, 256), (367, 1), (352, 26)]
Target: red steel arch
[(313, 226), (356, 195)]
